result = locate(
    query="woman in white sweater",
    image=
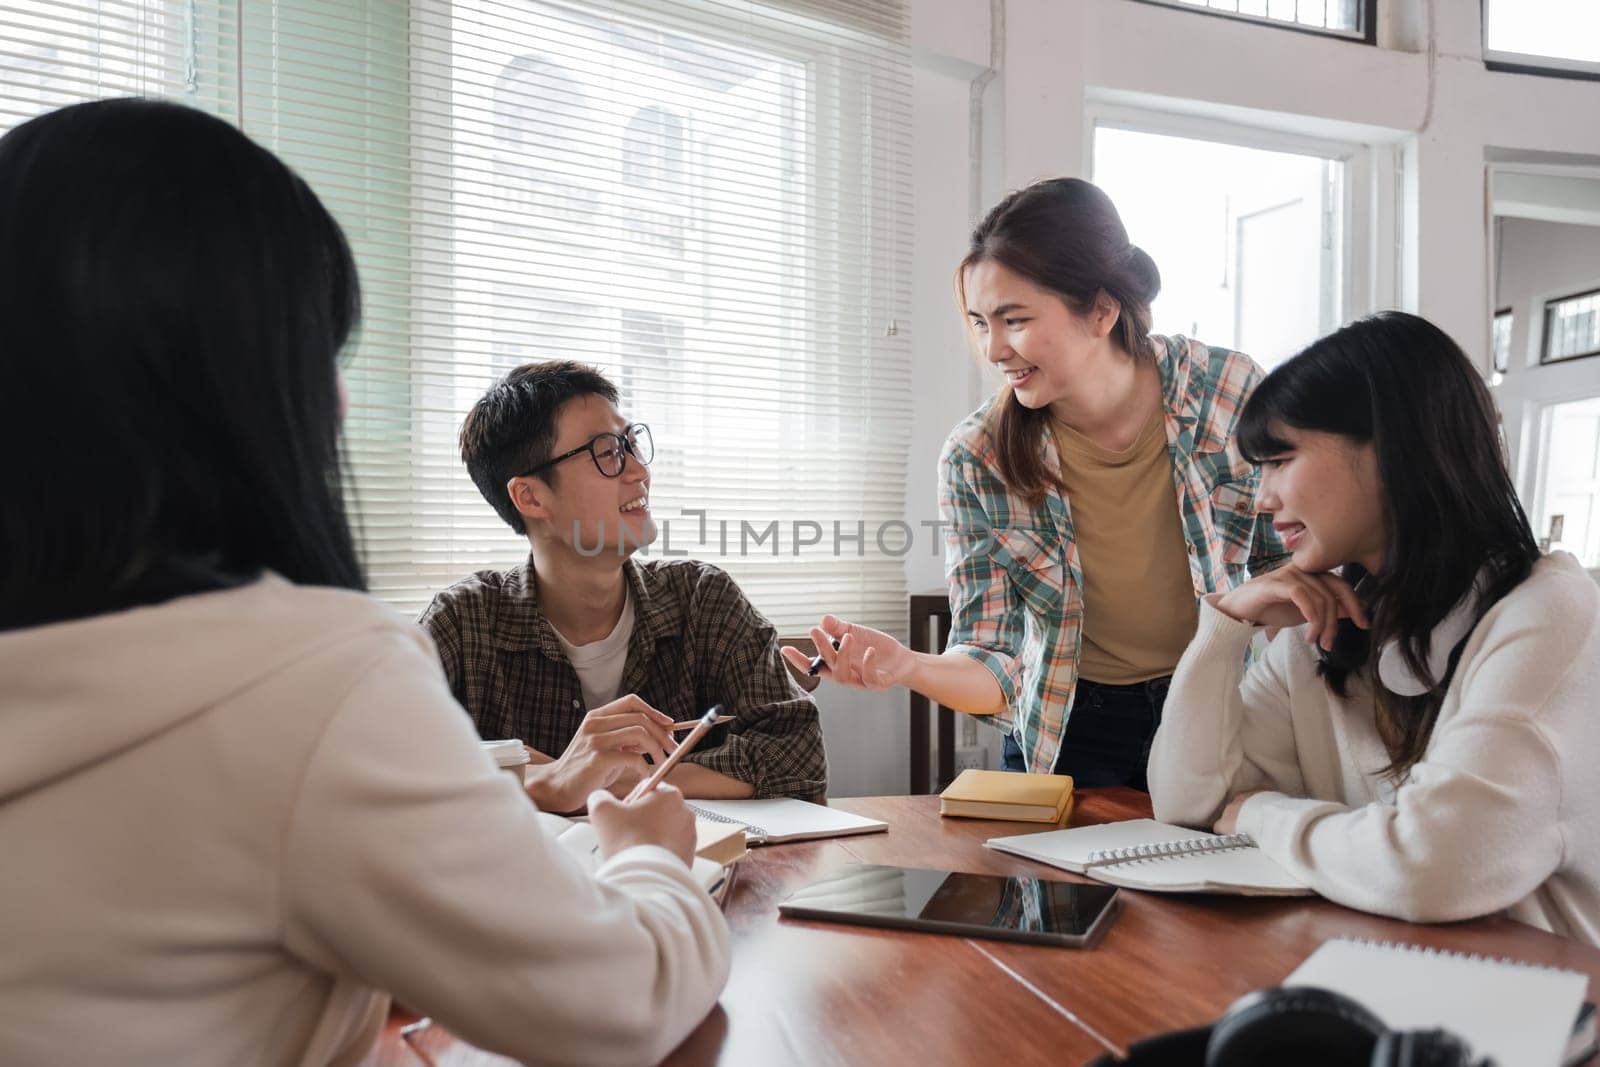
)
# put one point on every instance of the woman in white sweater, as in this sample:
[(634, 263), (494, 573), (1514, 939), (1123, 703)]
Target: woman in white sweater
[(238, 805), (1419, 737)]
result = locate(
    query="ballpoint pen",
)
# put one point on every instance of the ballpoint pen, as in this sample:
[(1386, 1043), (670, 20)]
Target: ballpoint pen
[(817, 663)]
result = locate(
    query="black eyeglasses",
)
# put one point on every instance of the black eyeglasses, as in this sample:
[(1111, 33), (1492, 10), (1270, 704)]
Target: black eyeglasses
[(609, 451)]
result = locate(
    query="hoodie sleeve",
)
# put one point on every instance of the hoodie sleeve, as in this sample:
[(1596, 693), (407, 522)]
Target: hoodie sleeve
[(1220, 735), (413, 864)]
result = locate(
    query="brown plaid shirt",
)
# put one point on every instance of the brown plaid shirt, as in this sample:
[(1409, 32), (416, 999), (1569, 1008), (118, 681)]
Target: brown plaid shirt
[(696, 642)]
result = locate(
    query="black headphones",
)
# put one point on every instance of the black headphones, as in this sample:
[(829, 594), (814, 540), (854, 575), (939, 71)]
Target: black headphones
[(1299, 1026), (1319, 1028)]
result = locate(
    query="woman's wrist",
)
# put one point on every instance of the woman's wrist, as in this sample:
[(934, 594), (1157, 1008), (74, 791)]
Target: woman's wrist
[(1227, 607)]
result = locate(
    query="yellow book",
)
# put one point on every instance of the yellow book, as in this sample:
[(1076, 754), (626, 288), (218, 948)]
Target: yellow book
[(1007, 795), (718, 841)]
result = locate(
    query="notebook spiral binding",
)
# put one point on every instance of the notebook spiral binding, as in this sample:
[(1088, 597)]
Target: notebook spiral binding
[(753, 831), (1169, 849), (1447, 954)]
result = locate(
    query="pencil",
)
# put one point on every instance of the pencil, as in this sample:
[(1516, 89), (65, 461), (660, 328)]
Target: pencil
[(683, 749), (690, 724)]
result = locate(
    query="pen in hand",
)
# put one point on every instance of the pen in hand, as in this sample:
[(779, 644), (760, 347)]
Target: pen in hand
[(701, 726), (816, 665)]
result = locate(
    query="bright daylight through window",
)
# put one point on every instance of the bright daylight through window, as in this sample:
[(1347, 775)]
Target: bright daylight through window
[(1560, 34), (1250, 253)]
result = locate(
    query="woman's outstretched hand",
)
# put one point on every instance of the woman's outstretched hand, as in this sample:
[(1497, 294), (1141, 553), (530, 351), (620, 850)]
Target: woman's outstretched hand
[(863, 659)]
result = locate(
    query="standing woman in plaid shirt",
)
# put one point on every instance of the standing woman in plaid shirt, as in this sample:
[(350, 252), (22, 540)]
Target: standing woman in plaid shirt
[(1087, 506)]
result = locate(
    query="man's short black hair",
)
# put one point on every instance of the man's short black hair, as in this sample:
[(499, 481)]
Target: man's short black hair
[(512, 427)]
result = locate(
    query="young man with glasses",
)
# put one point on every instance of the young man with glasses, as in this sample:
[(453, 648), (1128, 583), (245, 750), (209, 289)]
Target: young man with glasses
[(587, 654)]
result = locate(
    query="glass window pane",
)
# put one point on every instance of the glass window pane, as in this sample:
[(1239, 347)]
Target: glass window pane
[(1502, 341), (1337, 16), (1572, 327), (1571, 472), (1554, 29)]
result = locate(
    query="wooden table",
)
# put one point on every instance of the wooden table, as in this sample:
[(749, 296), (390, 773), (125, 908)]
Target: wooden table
[(811, 993)]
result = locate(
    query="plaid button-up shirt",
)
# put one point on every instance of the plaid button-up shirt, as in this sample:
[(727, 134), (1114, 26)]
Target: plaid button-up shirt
[(696, 642), (1016, 582)]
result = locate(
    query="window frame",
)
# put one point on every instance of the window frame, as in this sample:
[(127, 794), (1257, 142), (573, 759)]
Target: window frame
[(1366, 33), (1548, 306), (1526, 63)]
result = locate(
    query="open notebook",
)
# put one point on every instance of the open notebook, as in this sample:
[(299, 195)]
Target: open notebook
[(1517, 1014), (1145, 854), (772, 822)]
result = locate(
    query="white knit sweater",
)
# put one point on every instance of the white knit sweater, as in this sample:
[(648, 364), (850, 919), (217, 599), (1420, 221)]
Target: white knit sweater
[(1502, 811)]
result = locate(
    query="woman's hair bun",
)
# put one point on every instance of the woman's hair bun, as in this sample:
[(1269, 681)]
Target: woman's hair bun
[(1144, 274)]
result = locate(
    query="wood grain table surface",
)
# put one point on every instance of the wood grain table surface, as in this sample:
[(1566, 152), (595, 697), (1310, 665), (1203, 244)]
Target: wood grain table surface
[(810, 994)]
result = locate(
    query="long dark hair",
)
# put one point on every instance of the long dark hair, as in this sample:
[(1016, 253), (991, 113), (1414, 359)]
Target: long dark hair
[(1064, 235), (172, 302), (1401, 383)]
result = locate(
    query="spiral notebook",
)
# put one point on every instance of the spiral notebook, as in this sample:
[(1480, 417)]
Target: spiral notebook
[(1157, 856), (1518, 1014)]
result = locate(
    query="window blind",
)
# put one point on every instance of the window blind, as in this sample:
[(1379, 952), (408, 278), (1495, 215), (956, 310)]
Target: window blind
[(707, 199), (59, 52)]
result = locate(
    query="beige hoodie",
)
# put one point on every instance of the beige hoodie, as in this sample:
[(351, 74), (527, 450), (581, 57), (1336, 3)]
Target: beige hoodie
[(228, 821)]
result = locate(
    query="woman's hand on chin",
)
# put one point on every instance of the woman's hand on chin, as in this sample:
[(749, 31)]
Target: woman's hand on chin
[(1289, 596)]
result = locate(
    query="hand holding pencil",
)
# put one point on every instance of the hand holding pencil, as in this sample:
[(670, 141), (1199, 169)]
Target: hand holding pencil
[(660, 817), (654, 813), (685, 747)]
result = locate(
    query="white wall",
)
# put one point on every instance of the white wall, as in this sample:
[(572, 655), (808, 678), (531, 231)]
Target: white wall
[(1057, 59)]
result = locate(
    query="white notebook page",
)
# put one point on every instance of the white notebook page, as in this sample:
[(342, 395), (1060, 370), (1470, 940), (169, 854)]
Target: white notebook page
[(1519, 1015)]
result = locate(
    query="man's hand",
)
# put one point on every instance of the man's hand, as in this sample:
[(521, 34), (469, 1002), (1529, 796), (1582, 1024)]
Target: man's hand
[(610, 744)]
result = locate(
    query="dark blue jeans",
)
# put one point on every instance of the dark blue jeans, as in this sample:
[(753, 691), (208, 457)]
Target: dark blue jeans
[(1108, 734)]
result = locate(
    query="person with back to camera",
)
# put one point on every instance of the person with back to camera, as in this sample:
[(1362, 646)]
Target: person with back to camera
[(1087, 506), (238, 804), (1418, 738)]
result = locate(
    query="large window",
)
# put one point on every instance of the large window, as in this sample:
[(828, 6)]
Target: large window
[(1353, 19), (1543, 36), (708, 199), (1251, 253), (709, 204)]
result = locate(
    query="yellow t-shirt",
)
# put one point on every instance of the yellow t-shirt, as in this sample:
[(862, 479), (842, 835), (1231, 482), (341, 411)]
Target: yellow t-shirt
[(1139, 609)]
